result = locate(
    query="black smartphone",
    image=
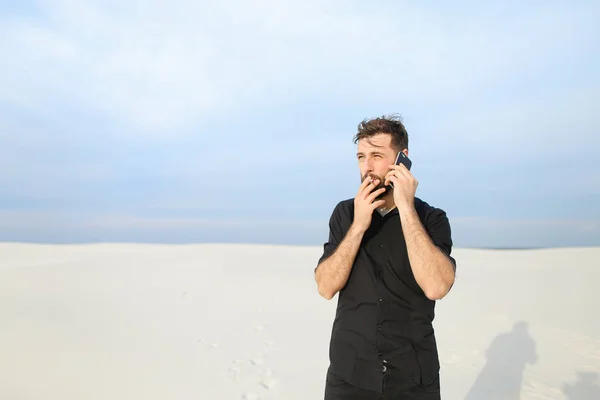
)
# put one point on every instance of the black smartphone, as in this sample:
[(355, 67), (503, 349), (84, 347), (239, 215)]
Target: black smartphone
[(402, 159)]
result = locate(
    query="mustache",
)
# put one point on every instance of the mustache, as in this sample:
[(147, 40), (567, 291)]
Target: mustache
[(373, 176), (388, 188)]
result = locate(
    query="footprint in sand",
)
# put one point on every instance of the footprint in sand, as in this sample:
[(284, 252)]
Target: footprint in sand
[(253, 372), (268, 382), (265, 380), (212, 346), (257, 361)]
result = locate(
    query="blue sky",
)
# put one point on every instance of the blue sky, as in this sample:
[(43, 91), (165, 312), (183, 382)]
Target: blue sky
[(232, 121)]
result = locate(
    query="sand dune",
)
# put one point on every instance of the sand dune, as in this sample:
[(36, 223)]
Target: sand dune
[(124, 321)]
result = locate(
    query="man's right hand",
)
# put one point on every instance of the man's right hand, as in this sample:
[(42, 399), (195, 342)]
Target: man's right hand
[(365, 203)]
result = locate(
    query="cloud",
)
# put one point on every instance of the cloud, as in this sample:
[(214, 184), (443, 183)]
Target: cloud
[(153, 116), (158, 67)]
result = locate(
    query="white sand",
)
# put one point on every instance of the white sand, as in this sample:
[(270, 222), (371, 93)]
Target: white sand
[(91, 322)]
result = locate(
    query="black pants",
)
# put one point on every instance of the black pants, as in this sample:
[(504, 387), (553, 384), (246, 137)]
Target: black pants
[(393, 389)]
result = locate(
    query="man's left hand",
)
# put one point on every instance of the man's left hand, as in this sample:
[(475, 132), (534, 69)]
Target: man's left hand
[(405, 185)]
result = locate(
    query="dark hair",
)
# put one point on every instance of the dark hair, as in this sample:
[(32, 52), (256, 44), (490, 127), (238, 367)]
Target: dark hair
[(391, 125)]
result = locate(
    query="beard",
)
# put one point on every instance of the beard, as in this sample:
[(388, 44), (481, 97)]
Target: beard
[(388, 188)]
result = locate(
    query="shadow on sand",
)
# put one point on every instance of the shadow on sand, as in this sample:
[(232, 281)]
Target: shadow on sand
[(507, 356), (586, 387)]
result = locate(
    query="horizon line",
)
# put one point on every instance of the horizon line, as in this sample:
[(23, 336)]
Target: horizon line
[(223, 243)]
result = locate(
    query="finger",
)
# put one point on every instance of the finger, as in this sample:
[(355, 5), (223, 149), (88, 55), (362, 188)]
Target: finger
[(369, 188), (363, 187), (395, 180), (398, 167), (390, 178), (374, 194), (378, 203), (387, 177), (401, 168)]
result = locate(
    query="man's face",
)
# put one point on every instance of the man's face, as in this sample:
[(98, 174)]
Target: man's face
[(374, 156)]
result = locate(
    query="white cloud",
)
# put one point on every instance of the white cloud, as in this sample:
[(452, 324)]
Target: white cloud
[(161, 66), (494, 82)]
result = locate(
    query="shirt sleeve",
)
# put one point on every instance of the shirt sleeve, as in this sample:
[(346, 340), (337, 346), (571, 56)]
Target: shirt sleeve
[(336, 235), (438, 227)]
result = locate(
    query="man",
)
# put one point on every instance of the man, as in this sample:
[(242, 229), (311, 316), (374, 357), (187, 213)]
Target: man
[(388, 257)]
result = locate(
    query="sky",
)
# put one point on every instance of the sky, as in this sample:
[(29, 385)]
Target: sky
[(232, 121)]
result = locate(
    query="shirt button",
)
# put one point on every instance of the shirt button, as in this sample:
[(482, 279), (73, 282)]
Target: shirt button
[(380, 299), (384, 368)]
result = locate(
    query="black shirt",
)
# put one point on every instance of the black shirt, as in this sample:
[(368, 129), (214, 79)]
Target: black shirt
[(383, 318)]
